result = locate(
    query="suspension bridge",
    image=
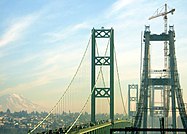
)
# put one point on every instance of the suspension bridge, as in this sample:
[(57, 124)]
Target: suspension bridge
[(105, 82), (99, 94)]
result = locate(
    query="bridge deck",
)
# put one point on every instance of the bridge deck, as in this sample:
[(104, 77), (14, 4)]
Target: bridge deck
[(103, 128)]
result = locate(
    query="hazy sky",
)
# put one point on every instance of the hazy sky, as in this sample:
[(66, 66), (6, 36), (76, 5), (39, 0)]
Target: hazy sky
[(42, 42)]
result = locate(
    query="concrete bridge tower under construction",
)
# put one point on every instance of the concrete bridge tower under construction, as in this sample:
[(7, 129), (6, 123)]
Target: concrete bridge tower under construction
[(167, 84)]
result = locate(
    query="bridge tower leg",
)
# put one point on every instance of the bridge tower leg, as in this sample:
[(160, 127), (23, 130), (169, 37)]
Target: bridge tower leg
[(102, 92), (149, 84)]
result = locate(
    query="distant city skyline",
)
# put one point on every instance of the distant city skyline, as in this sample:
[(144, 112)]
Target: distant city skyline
[(42, 42)]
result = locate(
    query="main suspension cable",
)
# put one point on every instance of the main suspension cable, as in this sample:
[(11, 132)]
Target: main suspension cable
[(88, 96), (83, 106), (65, 90)]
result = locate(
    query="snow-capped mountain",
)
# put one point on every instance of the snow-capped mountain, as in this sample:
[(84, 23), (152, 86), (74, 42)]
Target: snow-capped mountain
[(17, 103)]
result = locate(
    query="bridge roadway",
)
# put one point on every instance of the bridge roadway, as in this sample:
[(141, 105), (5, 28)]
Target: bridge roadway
[(103, 128)]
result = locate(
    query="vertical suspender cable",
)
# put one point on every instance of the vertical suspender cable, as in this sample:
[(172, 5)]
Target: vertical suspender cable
[(88, 96), (81, 112), (68, 87), (119, 83)]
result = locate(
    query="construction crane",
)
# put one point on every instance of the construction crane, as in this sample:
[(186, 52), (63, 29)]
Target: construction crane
[(158, 13)]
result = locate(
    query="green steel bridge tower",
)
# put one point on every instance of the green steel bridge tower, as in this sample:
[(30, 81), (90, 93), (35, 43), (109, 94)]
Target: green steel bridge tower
[(102, 92)]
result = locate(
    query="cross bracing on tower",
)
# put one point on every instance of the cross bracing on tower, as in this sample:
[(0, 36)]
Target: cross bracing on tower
[(172, 98)]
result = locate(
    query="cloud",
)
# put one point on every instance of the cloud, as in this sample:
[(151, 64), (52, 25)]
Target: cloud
[(118, 6), (52, 65), (66, 32), (43, 78), (16, 29)]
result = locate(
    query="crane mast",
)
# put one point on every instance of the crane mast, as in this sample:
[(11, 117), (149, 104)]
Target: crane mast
[(165, 42)]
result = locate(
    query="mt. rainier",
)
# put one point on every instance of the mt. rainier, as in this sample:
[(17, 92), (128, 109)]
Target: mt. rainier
[(17, 103)]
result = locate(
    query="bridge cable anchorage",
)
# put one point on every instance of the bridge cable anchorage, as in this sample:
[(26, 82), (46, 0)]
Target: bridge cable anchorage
[(119, 83), (61, 98), (88, 96)]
